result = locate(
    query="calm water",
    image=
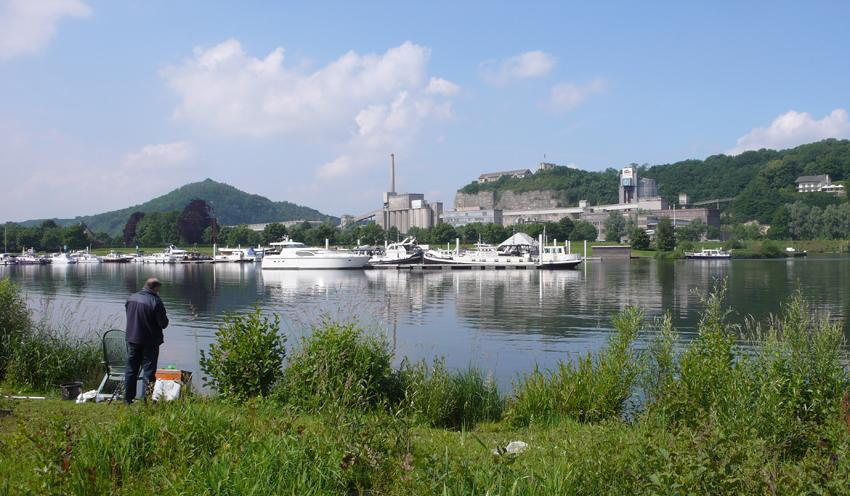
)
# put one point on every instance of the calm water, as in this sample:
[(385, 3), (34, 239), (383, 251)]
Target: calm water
[(503, 321)]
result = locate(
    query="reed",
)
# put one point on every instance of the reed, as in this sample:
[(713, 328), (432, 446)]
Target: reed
[(438, 397)]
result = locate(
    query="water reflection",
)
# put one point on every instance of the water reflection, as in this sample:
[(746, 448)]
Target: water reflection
[(506, 321)]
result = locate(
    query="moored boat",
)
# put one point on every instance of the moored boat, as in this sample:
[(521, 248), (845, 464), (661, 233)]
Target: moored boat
[(62, 259), (296, 255), (404, 252), (709, 254), (114, 257), (235, 255)]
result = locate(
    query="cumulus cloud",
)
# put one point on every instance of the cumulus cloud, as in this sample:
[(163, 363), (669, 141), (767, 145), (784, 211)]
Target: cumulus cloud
[(361, 104), (794, 128), (567, 96), (160, 155), (526, 65), (439, 86), (27, 26)]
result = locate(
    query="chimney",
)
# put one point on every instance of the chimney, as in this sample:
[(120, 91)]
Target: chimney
[(392, 172)]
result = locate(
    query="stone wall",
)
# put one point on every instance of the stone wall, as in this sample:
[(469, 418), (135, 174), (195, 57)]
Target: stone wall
[(509, 200)]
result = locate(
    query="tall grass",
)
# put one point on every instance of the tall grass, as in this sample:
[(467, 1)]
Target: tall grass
[(591, 389), (438, 397), (339, 366), (39, 356)]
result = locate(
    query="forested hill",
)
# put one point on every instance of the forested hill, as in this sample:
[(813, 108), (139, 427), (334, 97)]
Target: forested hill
[(230, 206), (760, 181)]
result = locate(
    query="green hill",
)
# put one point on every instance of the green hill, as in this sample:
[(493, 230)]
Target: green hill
[(230, 206), (760, 181)]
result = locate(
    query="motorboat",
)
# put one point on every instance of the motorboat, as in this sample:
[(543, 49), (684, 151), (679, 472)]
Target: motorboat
[(235, 255), (62, 259), (709, 254), (297, 255), (792, 252), (6, 259), (29, 257), (557, 257), (404, 252), (482, 254), (114, 257), (85, 257)]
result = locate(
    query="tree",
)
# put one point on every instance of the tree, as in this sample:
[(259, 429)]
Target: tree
[(567, 225), (640, 239), (393, 234), (241, 235), (691, 232), (193, 220), (75, 236), (615, 226), (372, 234), (665, 238), (779, 224), (51, 239), (131, 226), (273, 232), (584, 231), (443, 233)]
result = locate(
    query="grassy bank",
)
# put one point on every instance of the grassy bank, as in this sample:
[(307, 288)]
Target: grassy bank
[(698, 418)]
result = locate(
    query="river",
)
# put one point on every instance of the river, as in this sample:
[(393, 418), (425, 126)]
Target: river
[(503, 321)]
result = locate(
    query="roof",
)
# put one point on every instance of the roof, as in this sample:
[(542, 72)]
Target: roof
[(812, 179), (519, 239), (506, 173)]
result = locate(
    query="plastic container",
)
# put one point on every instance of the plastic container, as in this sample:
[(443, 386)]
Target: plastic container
[(71, 390)]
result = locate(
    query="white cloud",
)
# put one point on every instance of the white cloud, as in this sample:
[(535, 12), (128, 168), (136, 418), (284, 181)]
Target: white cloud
[(27, 26), (794, 128), (439, 86), (526, 65), (160, 155), (567, 96), (361, 105)]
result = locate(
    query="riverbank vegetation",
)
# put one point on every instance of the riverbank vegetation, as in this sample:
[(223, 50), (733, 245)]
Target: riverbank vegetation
[(708, 416)]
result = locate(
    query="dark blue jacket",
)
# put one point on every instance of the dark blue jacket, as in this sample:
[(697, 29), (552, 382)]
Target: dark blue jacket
[(145, 318)]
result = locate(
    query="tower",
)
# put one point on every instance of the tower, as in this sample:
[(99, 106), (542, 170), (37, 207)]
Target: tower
[(629, 185)]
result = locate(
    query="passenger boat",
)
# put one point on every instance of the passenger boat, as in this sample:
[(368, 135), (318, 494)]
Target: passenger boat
[(557, 257), (296, 255), (62, 259), (709, 254), (520, 250), (405, 252)]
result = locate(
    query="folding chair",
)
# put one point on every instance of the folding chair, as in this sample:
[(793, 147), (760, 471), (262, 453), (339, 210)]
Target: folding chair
[(115, 361)]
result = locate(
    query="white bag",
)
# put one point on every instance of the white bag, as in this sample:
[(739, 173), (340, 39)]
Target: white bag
[(165, 390)]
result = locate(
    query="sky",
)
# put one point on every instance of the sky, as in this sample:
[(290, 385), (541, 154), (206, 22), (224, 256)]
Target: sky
[(107, 104)]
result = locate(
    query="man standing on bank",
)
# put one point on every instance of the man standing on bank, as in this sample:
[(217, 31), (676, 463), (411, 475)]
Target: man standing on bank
[(146, 319)]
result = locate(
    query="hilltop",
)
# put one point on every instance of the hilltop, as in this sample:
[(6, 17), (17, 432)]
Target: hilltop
[(759, 181), (230, 206)]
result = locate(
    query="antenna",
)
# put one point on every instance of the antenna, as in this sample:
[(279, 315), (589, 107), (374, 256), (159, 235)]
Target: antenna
[(392, 172)]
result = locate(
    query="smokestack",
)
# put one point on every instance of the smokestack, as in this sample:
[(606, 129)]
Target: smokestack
[(392, 172)]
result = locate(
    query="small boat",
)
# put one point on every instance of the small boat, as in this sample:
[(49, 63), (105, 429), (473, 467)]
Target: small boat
[(7, 259), (709, 254), (235, 255), (557, 257), (405, 252), (29, 257), (62, 259), (296, 255), (792, 252), (114, 257), (85, 257)]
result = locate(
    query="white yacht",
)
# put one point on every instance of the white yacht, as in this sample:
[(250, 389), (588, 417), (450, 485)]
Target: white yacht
[(6, 259), (405, 252), (62, 259), (295, 255), (29, 257), (520, 250)]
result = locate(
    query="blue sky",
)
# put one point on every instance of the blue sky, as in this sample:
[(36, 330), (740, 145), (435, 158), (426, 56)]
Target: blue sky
[(104, 104)]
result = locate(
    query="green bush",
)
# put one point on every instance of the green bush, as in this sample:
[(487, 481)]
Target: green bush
[(246, 359), (588, 390), (15, 319), (438, 397), (340, 365)]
